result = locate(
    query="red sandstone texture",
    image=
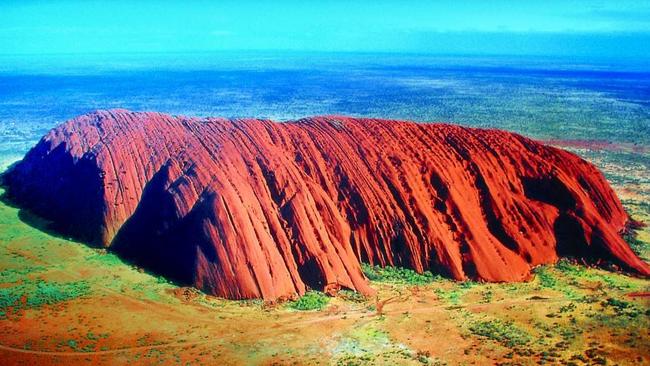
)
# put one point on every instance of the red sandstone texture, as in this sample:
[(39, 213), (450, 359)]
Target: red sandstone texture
[(252, 208)]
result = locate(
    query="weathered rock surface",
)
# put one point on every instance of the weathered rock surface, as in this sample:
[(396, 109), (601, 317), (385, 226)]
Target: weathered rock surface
[(252, 208)]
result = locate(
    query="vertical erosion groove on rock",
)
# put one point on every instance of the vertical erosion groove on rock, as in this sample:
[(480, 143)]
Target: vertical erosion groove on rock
[(253, 208)]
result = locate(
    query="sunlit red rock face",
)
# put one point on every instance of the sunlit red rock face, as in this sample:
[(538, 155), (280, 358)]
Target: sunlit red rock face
[(252, 208)]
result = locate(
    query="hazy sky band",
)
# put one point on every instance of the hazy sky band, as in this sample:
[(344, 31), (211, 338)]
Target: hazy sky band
[(585, 28)]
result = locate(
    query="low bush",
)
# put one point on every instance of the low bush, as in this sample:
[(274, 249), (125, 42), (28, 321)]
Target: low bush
[(353, 296), (545, 277), (312, 300), (37, 294), (503, 332), (397, 275)]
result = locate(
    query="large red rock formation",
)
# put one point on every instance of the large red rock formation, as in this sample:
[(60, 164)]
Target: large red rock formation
[(253, 208)]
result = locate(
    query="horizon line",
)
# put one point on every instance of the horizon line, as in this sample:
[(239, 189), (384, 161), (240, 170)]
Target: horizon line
[(357, 52)]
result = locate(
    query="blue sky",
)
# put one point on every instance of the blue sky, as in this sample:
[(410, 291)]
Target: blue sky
[(593, 28)]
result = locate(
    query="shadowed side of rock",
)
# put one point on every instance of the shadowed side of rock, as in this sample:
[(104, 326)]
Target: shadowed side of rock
[(253, 208)]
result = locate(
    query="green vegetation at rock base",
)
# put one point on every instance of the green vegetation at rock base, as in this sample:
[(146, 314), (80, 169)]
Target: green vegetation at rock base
[(312, 300)]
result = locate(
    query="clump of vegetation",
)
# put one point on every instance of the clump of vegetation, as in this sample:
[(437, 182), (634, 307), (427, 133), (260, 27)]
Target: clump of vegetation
[(352, 296), (258, 303), (567, 267), (545, 277), (8, 299), (567, 308), (72, 344), (589, 299), (486, 296), (397, 275), (52, 293), (454, 294), (631, 238), (504, 332), (17, 298), (561, 277), (105, 258), (18, 274), (622, 307), (312, 300)]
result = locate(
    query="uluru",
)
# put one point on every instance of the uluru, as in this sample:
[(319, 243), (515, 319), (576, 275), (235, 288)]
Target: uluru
[(248, 208)]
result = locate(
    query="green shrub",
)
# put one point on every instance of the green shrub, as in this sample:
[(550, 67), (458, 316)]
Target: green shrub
[(622, 307), (621, 304), (397, 275), (637, 245), (352, 296), (567, 308), (8, 297), (105, 259), (53, 293), (487, 296), (503, 332), (40, 294), (565, 266), (312, 300), (545, 278), (17, 274)]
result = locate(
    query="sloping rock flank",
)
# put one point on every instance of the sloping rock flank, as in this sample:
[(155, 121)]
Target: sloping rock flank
[(253, 208)]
